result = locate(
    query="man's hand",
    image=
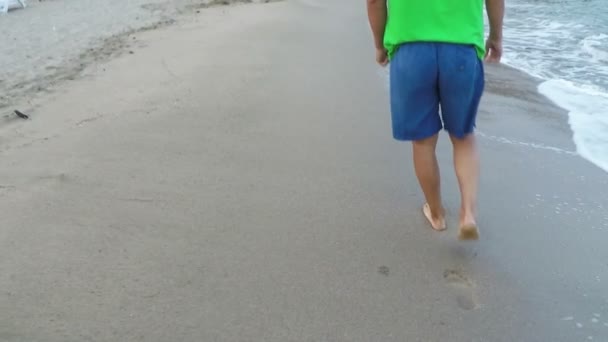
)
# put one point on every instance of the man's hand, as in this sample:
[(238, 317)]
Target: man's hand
[(377, 14), (382, 57), (493, 50), (496, 13)]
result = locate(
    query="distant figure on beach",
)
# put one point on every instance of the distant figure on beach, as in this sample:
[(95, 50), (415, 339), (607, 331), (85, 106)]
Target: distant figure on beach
[(436, 50)]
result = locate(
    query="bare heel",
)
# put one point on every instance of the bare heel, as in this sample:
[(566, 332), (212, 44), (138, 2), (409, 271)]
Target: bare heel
[(468, 232)]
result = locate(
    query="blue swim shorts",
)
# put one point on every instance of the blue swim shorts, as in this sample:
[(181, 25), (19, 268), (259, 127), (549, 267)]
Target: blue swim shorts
[(425, 77)]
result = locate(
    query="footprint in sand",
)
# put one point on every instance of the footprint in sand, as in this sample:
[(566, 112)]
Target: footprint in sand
[(463, 289), (7, 188), (59, 177)]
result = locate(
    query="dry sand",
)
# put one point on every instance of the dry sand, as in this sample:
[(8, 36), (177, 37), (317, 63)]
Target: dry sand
[(234, 180), (55, 40)]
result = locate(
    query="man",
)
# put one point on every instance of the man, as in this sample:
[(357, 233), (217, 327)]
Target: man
[(435, 49)]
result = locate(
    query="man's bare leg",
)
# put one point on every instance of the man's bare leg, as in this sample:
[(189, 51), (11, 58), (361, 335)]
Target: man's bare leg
[(466, 164), (427, 171)]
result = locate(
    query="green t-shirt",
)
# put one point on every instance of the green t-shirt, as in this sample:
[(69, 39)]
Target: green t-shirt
[(446, 21)]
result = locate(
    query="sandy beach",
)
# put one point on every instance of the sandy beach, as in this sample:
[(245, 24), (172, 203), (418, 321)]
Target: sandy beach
[(228, 174)]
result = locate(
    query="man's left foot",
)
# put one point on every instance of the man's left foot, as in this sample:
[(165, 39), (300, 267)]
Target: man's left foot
[(438, 223)]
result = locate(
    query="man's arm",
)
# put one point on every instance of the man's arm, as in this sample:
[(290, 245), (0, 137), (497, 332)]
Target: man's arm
[(496, 13), (377, 14)]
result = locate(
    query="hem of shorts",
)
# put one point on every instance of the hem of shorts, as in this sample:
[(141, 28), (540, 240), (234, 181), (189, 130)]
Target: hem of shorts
[(414, 137), (462, 135)]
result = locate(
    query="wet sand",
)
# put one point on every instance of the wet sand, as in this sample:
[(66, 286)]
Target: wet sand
[(234, 179)]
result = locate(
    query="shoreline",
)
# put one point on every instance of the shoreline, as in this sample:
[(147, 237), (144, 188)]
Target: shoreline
[(581, 105), (511, 87)]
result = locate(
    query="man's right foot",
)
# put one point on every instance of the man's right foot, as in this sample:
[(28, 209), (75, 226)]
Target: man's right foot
[(437, 222), (468, 232)]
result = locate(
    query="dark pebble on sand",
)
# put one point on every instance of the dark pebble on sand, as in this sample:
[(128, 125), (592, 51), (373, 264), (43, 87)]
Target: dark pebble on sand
[(21, 115)]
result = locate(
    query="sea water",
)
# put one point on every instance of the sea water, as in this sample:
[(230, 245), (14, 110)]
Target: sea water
[(565, 43)]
